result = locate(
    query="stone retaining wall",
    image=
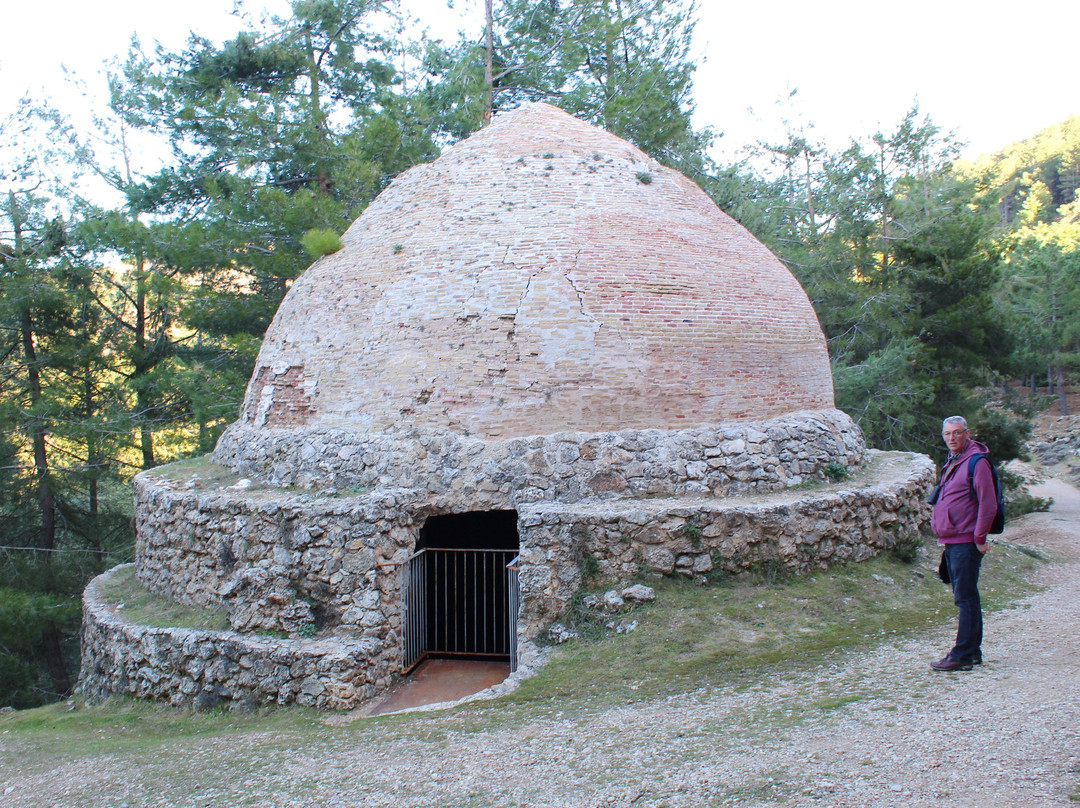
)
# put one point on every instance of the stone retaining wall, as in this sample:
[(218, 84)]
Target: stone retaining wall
[(289, 560), (274, 559), (356, 657), (206, 669), (792, 531), (469, 473)]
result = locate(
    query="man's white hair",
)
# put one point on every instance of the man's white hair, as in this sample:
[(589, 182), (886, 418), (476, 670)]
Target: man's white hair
[(954, 419)]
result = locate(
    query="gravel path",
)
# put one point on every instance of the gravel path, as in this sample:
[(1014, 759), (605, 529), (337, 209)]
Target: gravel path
[(875, 728)]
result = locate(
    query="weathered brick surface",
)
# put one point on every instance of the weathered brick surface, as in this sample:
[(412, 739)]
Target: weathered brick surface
[(528, 282)]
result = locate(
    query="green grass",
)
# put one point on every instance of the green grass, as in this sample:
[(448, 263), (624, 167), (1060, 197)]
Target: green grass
[(128, 726), (208, 472), (836, 702), (694, 636), (138, 605)]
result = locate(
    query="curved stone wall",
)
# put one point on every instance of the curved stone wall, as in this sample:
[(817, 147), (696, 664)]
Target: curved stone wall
[(283, 560), (274, 559), (206, 669), (883, 506), (470, 473), (357, 649)]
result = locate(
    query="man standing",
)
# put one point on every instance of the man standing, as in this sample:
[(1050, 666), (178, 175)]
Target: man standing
[(961, 521)]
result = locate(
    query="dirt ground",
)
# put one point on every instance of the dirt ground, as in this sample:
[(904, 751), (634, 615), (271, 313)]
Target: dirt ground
[(1051, 424)]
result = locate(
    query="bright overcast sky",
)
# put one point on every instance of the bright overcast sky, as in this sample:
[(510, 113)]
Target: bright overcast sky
[(977, 67)]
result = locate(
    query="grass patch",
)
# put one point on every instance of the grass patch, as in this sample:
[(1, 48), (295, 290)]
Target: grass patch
[(139, 605), (66, 730), (835, 472), (694, 636), (809, 484), (209, 473), (1033, 552), (836, 702)]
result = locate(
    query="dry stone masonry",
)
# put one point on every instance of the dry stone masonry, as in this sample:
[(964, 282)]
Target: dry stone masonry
[(543, 322)]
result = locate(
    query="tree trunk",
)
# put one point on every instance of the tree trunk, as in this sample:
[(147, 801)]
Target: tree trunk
[(141, 369), (93, 459), (318, 117), (489, 78), (41, 458), (54, 660), (1063, 404), (886, 247)]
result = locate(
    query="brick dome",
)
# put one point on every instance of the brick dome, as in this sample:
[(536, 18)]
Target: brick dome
[(541, 276)]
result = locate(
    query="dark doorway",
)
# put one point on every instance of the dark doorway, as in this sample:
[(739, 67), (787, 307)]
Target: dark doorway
[(473, 530), (459, 590)]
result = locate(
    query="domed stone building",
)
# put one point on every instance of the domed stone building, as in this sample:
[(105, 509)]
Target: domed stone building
[(542, 356)]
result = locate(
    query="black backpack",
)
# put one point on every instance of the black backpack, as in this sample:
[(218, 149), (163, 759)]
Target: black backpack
[(999, 518)]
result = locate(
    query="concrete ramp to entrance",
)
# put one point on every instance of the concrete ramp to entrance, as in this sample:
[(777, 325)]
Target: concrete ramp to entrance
[(438, 680)]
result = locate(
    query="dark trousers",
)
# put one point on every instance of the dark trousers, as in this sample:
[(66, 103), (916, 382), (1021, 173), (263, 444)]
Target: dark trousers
[(964, 561)]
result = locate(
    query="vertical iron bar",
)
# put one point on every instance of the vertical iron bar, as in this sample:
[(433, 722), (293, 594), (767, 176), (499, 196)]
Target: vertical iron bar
[(513, 593), (404, 602), (408, 618), (470, 602), (480, 602)]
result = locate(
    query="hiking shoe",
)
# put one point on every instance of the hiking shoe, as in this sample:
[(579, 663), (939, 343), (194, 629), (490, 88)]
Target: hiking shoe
[(950, 664)]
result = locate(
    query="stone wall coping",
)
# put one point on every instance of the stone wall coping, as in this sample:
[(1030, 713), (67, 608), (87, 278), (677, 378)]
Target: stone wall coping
[(216, 495), (727, 429), (882, 473), (97, 607), (871, 478)]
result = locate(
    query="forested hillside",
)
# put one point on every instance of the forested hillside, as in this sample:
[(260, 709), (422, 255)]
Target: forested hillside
[(128, 328), (1033, 187)]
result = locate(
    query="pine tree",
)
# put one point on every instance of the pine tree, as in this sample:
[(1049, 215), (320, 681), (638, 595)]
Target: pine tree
[(623, 65)]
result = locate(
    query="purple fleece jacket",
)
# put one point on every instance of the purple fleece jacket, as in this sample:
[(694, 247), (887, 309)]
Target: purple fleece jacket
[(958, 517)]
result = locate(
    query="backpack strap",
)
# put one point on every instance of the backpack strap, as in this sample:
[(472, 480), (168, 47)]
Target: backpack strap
[(971, 471)]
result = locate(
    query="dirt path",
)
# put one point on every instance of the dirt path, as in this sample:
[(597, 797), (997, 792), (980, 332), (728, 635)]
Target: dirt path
[(868, 730), (1007, 734)]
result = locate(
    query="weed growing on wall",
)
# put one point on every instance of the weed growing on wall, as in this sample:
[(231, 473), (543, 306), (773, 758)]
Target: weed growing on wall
[(835, 472), (693, 533)]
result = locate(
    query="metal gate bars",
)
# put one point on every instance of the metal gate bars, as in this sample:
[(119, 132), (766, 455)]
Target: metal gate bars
[(459, 602)]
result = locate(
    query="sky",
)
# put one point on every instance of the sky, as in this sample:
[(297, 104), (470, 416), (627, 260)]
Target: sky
[(974, 66)]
